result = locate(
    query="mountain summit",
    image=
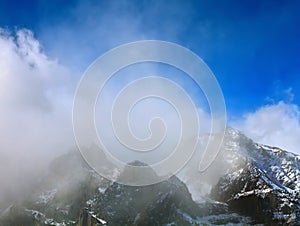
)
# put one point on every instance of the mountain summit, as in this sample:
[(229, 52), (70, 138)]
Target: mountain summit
[(263, 182)]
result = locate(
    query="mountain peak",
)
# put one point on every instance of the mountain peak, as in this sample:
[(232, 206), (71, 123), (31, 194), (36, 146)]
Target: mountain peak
[(136, 173)]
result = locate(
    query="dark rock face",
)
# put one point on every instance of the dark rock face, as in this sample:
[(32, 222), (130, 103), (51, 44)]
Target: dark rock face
[(265, 185), (157, 204), (249, 194)]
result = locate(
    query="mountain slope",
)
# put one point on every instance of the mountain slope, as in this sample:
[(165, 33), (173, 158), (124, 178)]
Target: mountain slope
[(250, 183), (263, 182), (73, 194)]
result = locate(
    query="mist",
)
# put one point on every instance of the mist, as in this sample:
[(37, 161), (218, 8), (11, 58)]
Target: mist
[(39, 76), (35, 109)]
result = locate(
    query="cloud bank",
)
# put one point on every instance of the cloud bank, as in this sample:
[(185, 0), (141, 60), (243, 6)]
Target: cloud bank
[(35, 109), (276, 125)]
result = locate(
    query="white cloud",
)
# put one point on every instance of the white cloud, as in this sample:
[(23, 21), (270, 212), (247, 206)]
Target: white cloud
[(276, 125), (35, 108)]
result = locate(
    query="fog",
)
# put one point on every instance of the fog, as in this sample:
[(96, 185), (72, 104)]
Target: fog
[(35, 109), (38, 82)]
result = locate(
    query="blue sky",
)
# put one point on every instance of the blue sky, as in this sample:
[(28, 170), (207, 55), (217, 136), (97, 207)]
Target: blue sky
[(251, 46)]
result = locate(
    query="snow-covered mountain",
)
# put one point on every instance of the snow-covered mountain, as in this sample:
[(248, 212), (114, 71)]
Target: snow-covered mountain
[(263, 182), (248, 184)]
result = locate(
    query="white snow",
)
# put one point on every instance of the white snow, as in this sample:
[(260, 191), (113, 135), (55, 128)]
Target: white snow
[(46, 196), (102, 190)]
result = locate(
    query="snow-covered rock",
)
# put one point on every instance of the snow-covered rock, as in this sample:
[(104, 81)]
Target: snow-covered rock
[(265, 184)]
